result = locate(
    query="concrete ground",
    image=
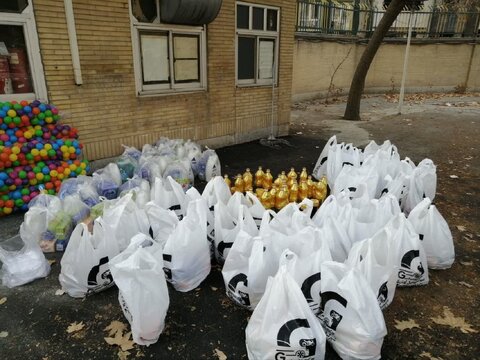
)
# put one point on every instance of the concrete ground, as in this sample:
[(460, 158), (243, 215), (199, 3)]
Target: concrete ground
[(438, 321)]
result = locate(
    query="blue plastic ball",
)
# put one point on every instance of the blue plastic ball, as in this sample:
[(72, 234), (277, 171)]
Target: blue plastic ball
[(27, 109)]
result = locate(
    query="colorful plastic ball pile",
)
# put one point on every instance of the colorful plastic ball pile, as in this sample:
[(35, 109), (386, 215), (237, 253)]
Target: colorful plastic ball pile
[(23, 114), (36, 153)]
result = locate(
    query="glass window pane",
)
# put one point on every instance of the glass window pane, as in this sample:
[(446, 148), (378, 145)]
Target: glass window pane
[(155, 63), (242, 17), (246, 58), (186, 58), (15, 75), (272, 20), (257, 18), (16, 6), (266, 54), (144, 10)]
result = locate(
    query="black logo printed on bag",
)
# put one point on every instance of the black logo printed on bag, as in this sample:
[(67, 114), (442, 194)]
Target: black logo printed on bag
[(288, 349), (411, 271), (331, 320), (222, 246), (166, 270), (99, 278), (382, 296), (240, 297), (307, 291)]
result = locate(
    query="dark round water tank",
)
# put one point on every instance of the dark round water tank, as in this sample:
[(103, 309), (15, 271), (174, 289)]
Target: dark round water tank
[(189, 12)]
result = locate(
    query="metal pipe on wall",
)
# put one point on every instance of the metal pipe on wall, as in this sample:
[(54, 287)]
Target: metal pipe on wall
[(72, 37)]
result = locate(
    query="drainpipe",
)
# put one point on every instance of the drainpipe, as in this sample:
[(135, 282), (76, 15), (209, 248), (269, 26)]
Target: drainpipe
[(72, 37)]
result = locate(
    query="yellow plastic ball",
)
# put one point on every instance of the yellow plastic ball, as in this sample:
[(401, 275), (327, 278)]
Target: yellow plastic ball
[(35, 152), (73, 167), (67, 172), (54, 173), (64, 148), (43, 153), (13, 157), (39, 176), (33, 181), (71, 150), (48, 146), (15, 150), (12, 113), (61, 176)]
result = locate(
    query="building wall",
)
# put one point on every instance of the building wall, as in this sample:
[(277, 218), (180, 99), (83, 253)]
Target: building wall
[(431, 67), (106, 109)]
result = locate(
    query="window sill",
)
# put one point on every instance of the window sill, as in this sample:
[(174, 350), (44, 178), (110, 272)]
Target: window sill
[(149, 94), (241, 86)]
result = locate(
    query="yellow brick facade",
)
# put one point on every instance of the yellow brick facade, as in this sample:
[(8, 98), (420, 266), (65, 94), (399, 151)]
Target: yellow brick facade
[(106, 109)]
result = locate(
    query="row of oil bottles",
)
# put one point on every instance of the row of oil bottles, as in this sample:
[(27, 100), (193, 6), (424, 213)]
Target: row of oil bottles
[(286, 188)]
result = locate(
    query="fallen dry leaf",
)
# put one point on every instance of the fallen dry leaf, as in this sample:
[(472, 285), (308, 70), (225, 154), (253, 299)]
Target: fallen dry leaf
[(220, 354), (123, 355), (3, 334), (3, 300), (59, 292), (453, 177), (213, 288), (456, 322), (115, 327), (121, 340), (74, 327), (465, 284), (52, 261), (461, 228), (430, 356), (406, 324), (466, 263)]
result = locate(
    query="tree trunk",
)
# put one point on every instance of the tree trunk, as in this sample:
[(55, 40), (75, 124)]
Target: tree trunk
[(352, 112)]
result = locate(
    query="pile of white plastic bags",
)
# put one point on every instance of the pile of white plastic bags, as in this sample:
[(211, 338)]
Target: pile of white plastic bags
[(308, 277)]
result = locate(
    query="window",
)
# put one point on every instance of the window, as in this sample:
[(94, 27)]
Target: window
[(21, 70), (257, 44), (167, 58)]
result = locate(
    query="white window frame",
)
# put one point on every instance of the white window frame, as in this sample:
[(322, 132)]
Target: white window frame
[(164, 89), (26, 19), (257, 34)]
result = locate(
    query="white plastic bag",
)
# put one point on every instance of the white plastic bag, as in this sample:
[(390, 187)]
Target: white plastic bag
[(143, 292), (306, 270), (246, 270), (433, 230), (85, 264), (249, 200), (215, 191), (169, 194), (227, 227), (320, 168), (123, 219), (351, 177), (376, 259), (162, 222), (411, 258), (187, 251), (22, 258), (423, 183), (351, 317), (282, 325)]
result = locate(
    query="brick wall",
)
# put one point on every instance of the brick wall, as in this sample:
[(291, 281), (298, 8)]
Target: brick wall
[(106, 109)]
